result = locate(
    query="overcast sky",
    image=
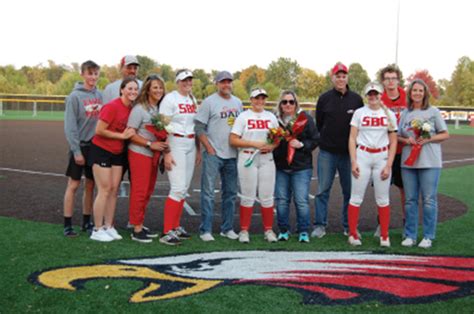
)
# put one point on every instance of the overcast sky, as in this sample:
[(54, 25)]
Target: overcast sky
[(232, 35)]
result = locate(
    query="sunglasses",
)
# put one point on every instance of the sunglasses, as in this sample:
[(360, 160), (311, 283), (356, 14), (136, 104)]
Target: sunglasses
[(285, 102), (153, 77)]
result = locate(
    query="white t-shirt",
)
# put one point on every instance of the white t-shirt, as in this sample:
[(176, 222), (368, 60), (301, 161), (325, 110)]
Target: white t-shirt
[(254, 126), (373, 126), (182, 110)]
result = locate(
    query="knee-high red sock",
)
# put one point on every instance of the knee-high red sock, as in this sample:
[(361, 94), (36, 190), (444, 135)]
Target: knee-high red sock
[(384, 214), (267, 218), (179, 213), (353, 219), (171, 208), (245, 217)]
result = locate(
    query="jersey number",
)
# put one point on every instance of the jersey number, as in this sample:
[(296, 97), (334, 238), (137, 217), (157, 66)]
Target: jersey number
[(186, 108), (374, 121), (258, 124)]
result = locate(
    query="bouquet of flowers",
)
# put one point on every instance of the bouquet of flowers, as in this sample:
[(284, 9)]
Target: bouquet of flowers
[(160, 128), (275, 135), (422, 130), (294, 128)]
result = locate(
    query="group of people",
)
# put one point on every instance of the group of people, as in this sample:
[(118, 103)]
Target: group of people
[(266, 157)]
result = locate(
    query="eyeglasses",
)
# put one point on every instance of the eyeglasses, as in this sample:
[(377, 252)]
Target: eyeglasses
[(391, 79), (285, 102)]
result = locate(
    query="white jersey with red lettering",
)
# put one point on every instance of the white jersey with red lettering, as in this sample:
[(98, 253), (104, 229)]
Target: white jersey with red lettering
[(258, 179), (182, 143), (373, 126), (182, 110), (254, 126), (373, 133)]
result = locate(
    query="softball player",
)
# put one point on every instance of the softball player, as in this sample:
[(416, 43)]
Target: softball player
[(249, 134), (372, 147), (181, 106)]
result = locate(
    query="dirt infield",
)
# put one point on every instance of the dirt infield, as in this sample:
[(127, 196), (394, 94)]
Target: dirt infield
[(40, 146)]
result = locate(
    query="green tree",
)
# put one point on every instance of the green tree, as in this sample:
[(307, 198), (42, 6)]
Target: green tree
[(166, 72), (147, 66), (65, 85), (272, 90), (358, 77), (460, 90), (309, 85), (201, 75), (240, 90), (283, 73), (54, 72), (170, 86), (210, 89), (197, 89), (252, 76)]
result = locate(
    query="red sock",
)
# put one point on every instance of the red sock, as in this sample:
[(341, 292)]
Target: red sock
[(245, 217), (353, 218), (171, 208), (384, 214), (179, 213), (267, 218)]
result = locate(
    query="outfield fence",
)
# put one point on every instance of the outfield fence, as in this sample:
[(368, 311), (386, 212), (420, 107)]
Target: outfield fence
[(32, 105)]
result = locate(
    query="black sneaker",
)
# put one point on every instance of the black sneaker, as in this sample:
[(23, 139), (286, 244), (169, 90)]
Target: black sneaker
[(170, 239), (150, 233), (88, 227), (141, 237), (69, 232), (182, 234)]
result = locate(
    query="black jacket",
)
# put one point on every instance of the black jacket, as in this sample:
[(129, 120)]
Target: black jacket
[(334, 112), (303, 158)]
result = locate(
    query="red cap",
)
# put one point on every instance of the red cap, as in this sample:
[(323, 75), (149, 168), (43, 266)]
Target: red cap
[(339, 68)]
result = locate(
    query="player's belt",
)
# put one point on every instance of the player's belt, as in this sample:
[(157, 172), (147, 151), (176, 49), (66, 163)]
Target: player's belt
[(252, 151), (186, 136), (373, 150)]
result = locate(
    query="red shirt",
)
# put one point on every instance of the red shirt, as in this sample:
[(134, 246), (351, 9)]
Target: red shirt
[(397, 106), (115, 114)]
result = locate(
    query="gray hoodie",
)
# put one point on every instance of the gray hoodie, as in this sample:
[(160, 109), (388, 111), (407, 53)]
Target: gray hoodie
[(82, 114)]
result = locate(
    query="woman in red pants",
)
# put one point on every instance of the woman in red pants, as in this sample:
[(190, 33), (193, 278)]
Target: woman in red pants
[(143, 155)]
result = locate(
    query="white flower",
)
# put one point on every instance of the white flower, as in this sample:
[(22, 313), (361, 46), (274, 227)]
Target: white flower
[(169, 129), (426, 127)]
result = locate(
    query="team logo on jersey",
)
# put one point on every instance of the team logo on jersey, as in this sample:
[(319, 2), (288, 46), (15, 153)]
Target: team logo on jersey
[(329, 278)]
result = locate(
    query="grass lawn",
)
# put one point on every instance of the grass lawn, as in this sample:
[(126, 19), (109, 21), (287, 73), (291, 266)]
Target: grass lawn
[(28, 247), (28, 115), (464, 129)]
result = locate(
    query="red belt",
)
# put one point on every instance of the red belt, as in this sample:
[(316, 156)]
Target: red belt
[(373, 150), (252, 151), (186, 136)]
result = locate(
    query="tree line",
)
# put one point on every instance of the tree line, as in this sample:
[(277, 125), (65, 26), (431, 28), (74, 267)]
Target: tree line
[(284, 73)]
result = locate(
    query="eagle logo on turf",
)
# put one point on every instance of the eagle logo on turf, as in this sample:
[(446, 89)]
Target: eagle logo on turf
[(329, 278)]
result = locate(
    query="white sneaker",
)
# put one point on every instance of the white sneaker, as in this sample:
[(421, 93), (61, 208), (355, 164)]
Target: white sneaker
[(377, 232), (318, 232), (354, 242), (408, 242), (270, 236), (230, 235), (101, 235), (206, 237), (346, 233), (113, 233), (425, 243), (384, 243), (244, 237)]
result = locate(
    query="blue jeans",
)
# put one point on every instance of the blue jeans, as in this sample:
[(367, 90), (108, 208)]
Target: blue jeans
[(328, 163), (296, 184), (212, 165), (426, 181)]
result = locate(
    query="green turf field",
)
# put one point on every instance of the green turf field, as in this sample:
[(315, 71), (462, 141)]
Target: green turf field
[(28, 115), (464, 129), (28, 247)]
